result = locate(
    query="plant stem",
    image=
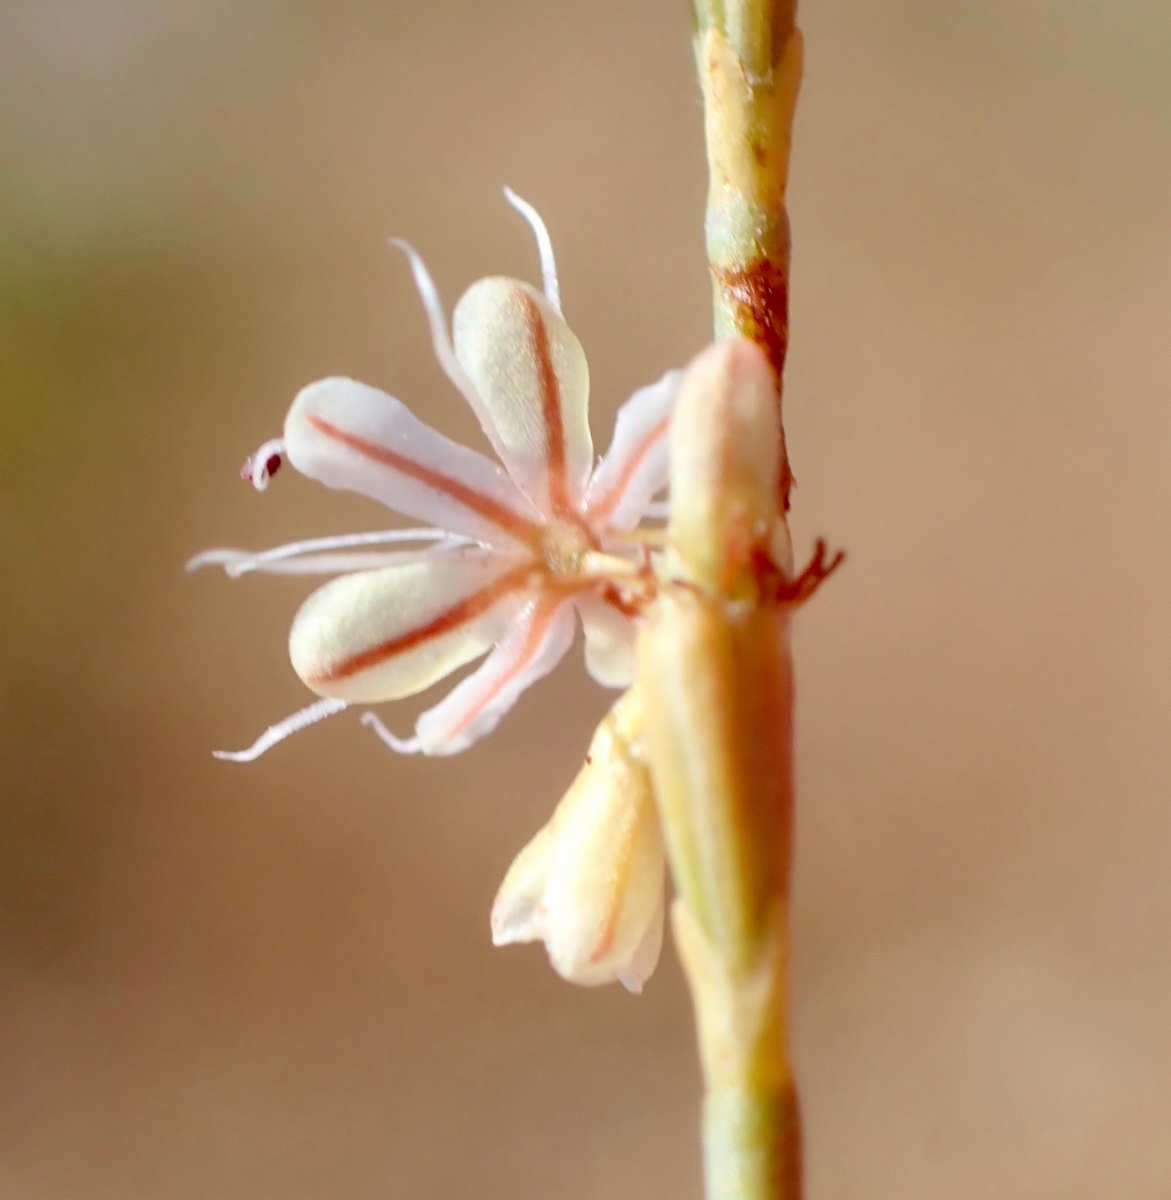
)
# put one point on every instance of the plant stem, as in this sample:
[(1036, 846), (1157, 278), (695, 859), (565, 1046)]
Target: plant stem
[(717, 674), (719, 734), (749, 56)]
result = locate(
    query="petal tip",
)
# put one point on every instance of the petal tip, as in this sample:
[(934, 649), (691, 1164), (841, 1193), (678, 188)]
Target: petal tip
[(515, 921)]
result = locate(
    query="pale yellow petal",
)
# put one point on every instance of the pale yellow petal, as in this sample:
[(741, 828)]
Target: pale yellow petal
[(531, 373), (379, 635), (590, 884)]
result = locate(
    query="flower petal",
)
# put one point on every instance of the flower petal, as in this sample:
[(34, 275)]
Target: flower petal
[(590, 884), (609, 641), (644, 960), (348, 435), (379, 635), (518, 913), (531, 372), (636, 465), (441, 339), (605, 884), (534, 644)]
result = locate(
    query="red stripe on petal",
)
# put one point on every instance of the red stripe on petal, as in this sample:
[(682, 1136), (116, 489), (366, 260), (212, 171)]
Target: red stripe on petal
[(550, 388), (466, 610), (485, 506), (605, 504), (613, 911), (536, 634)]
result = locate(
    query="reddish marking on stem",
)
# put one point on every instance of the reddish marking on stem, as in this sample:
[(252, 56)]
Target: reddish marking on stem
[(537, 630), (459, 614), (758, 296), (550, 408), (485, 506), (789, 1121), (605, 504)]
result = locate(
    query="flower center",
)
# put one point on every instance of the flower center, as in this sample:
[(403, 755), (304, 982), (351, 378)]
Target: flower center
[(563, 546)]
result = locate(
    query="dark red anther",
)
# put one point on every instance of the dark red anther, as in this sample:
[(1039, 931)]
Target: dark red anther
[(272, 465)]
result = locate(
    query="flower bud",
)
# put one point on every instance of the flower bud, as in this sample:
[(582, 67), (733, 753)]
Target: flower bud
[(590, 884), (725, 463)]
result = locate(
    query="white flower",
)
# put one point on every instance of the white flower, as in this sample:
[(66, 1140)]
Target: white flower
[(516, 551)]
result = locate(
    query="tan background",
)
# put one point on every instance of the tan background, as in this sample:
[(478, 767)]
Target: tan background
[(275, 982)]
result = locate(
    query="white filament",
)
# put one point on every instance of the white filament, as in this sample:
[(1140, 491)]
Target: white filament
[(441, 340), (286, 728), (397, 744), (288, 559), (322, 564), (544, 246), (257, 465)]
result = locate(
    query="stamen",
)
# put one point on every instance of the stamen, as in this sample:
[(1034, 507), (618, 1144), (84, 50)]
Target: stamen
[(260, 467), (397, 744), (639, 537), (320, 564), (287, 560), (286, 728), (596, 564), (544, 246), (441, 341)]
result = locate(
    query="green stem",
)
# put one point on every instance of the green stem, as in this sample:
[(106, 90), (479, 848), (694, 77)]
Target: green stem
[(749, 56), (751, 1144), (724, 784), (718, 710)]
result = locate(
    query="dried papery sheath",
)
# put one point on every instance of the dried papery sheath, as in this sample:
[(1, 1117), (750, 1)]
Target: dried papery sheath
[(590, 884), (715, 672)]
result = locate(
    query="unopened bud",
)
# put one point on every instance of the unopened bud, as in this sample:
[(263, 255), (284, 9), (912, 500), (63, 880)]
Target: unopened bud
[(590, 884), (725, 464)]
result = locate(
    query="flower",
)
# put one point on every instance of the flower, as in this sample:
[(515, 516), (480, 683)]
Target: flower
[(518, 552), (590, 884)]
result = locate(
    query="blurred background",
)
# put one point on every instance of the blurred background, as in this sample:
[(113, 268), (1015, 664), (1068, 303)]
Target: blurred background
[(275, 981)]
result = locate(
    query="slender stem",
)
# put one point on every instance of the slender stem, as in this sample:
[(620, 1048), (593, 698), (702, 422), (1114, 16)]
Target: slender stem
[(718, 695), (749, 56), (751, 1144), (720, 733)]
